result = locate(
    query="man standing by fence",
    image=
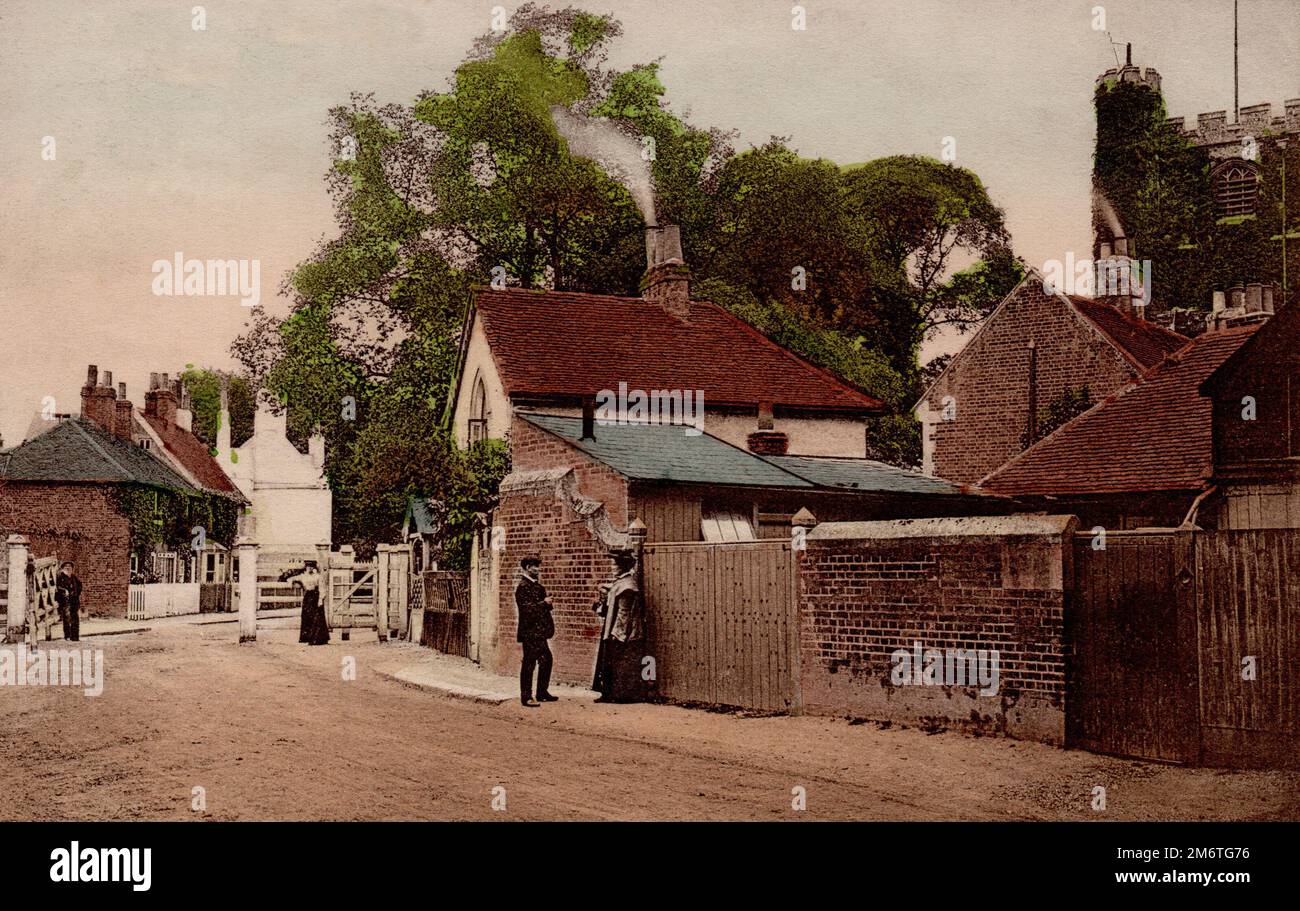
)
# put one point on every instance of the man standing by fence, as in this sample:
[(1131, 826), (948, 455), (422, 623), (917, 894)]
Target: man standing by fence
[(68, 596), (535, 626)]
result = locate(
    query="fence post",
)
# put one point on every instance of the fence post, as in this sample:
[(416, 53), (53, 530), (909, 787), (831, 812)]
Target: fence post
[(383, 560), (247, 549), (18, 593)]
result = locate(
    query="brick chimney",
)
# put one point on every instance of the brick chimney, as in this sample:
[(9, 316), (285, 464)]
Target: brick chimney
[(160, 401), (184, 407), (98, 399), (124, 415), (1117, 283), (667, 280), (1239, 306)]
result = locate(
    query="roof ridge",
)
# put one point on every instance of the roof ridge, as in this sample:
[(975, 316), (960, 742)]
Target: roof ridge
[(127, 475), (803, 361)]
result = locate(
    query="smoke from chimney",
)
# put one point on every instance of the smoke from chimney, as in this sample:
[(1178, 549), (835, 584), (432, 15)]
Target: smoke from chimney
[(617, 153)]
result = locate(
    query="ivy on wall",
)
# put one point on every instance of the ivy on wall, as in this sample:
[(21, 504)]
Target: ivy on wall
[(164, 519), (1160, 187)]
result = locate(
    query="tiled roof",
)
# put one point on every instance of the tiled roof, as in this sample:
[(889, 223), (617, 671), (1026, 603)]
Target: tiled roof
[(662, 452), (1145, 343), (863, 474), (1153, 434), (80, 450), (562, 343), (190, 452)]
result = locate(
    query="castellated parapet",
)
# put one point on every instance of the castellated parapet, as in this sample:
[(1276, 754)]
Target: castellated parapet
[(1221, 139)]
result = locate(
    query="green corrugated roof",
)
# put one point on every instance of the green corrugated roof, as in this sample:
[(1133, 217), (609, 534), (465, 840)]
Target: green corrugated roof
[(79, 450), (862, 474), (662, 452)]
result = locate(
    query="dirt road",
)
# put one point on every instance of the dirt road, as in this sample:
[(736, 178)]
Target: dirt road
[(271, 730)]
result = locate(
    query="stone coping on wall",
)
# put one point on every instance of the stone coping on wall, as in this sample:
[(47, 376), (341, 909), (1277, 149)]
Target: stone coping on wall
[(955, 527)]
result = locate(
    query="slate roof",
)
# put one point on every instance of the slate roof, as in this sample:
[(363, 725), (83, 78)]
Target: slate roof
[(1146, 344), (656, 452), (79, 450), (1153, 434), (194, 456), (662, 452), (864, 474), (570, 344)]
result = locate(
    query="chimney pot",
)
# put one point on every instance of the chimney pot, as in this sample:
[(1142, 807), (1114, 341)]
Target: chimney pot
[(1268, 298), (92, 375), (1218, 302), (588, 419), (1254, 297), (1237, 297), (121, 390), (106, 379)]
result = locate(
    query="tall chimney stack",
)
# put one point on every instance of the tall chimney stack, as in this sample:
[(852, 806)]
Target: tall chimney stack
[(98, 399), (667, 280), (123, 415)]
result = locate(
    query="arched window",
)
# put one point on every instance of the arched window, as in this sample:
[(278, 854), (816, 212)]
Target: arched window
[(478, 411), (1234, 189)]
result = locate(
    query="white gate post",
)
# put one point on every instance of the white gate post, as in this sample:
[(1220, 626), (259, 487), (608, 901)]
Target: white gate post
[(383, 560), (18, 593), (326, 585), (247, 549)]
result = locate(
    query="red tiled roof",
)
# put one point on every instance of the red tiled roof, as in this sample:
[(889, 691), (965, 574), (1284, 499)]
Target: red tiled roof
[(1146, 343), (1153, 434), (564, 343), (193, 455)]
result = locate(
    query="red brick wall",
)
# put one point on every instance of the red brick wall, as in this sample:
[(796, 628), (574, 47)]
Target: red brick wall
[(989, 380), (75, 522), (574, 563), (533, 448), (861, 599)]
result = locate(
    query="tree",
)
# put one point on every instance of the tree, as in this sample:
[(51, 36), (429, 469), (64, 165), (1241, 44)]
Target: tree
[(204, 386), (520, 172)]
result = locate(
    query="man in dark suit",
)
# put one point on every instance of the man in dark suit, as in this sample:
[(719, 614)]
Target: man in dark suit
[(67, 594), (534, 626)]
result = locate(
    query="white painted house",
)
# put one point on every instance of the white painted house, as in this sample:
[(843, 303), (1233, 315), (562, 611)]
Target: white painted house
[(291, 499)]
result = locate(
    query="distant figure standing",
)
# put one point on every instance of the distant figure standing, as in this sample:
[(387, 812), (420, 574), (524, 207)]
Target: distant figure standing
[(67, 594), (535, 626), (622, 627), (314, 628)]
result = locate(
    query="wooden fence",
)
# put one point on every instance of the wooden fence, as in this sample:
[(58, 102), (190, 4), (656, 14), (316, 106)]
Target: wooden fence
[(1186, 646), (723, 623), (444, 599)]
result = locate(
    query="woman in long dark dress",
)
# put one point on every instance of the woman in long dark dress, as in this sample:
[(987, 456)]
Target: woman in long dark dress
[(314, 629)]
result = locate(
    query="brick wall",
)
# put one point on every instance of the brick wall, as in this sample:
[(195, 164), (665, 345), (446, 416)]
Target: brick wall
[(574, 563), (989, 380), (534, 448), (863, 597), (75, 522)]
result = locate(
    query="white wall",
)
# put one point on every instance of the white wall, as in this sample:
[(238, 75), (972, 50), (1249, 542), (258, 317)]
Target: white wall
[(479, 362)]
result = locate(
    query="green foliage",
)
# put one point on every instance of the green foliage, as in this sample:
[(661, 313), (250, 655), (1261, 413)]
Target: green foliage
[(1159, 185), (164, 519), (204, 387), (435, 196)]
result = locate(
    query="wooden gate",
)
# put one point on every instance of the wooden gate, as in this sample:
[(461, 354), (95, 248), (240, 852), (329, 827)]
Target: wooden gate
[(445, 597), (1131, 681), (351, 601), (1248, 627), (723, 623)]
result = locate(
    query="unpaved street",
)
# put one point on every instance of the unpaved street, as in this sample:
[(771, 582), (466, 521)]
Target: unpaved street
[(272, 731)]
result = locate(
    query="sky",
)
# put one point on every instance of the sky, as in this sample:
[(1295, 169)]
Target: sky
[(213, 143)]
